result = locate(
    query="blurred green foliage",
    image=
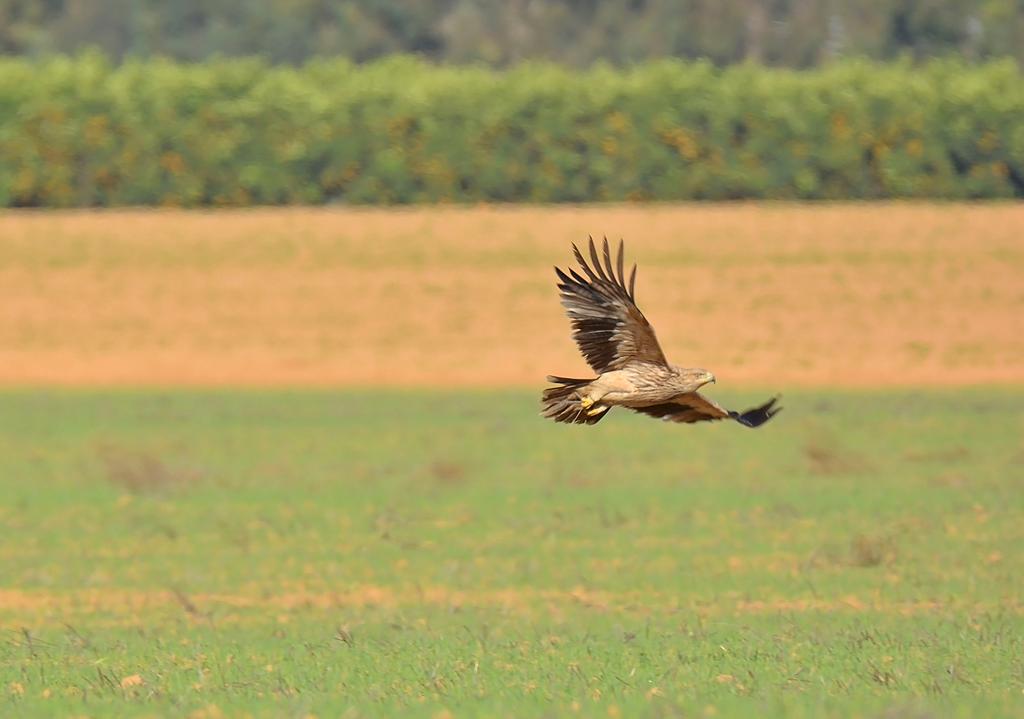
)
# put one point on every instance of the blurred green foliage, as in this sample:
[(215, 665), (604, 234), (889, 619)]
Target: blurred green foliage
[(84, 132)]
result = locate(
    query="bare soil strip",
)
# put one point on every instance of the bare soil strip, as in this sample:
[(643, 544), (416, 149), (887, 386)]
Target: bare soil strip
[(130, 604), (769, 295)]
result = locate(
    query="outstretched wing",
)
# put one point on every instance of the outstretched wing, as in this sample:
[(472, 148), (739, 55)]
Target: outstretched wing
[(694, 407), (609, 329)]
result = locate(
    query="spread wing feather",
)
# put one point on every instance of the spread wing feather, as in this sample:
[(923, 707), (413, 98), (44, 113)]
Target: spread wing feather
[(608, 327), (695, 407)]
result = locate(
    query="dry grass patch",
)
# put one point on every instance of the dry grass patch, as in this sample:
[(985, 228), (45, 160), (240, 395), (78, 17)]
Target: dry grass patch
[(767, 295), (142, 471), (825, 456), (871, 551), (447, 472), (864, 550)]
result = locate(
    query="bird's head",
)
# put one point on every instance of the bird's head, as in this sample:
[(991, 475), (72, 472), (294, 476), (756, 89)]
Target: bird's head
[(697, 378)]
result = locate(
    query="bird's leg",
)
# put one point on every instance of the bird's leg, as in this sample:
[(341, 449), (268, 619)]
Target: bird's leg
[(589, 401)]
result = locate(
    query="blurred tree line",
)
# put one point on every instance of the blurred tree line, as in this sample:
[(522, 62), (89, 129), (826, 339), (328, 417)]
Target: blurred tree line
[(84, 132), (790, 33)]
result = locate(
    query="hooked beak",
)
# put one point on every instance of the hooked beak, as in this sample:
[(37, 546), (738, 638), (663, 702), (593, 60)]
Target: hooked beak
[(710, 379)]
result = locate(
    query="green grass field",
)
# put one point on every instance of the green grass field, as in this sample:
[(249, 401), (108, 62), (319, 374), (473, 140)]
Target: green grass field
[(431, 554)]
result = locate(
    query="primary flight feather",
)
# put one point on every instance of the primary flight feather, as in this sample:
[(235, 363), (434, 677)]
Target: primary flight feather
[(619, 344)]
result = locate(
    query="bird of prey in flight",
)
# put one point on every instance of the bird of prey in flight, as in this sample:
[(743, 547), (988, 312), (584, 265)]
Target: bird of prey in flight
[(619, 345)]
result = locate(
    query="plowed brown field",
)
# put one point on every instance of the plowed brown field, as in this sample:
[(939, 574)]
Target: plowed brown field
[(853, 295)]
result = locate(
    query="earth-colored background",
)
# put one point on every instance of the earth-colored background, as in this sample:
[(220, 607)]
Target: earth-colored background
[(830, 295), (374, 525)]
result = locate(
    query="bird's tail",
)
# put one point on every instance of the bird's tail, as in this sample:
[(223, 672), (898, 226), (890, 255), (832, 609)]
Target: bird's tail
[(564, 402)]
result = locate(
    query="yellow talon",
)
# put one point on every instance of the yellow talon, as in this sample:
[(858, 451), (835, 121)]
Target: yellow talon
[(586, 402), (597, 410)]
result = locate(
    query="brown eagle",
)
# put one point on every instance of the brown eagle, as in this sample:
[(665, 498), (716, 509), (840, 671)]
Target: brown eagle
[(619, 344)]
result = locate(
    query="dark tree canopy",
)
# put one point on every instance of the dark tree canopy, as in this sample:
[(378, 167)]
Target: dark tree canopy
[(793, 33)]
